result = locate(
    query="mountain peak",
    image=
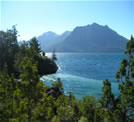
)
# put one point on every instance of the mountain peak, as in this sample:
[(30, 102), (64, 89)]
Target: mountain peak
[(66, 33), (89, 26), (50, 33), (106, 26), (94, 24)]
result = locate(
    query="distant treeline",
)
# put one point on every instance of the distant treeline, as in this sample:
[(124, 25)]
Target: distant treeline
[(24, 98)]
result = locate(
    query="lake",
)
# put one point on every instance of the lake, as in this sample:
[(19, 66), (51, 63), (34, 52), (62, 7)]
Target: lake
[(83, 73)]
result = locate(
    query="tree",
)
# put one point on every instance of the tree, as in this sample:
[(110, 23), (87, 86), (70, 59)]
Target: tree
[(29, 80), (107, 101), (12, 54), (83, 119), (34, 44), (8, 86), (66, 114), (44, 111), (22, 52), (4, 99), (125, 76), (88, 107), (58, 84), (54, 55), (8, 48)]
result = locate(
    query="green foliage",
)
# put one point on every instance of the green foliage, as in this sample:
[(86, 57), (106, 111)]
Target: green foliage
[(13, 120), (8, 48), (45, 109), (65, 114), (58, 84), (125, 75), (34, 44), (107, 99), (12, 54), (83, 119), (88, 107), (130, 47)]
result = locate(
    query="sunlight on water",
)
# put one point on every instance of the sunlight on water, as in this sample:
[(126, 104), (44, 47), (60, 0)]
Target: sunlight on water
[(48, 55), (79, 86), (84, 73)]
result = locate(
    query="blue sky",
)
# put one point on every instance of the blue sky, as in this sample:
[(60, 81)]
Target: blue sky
[(36, 17)]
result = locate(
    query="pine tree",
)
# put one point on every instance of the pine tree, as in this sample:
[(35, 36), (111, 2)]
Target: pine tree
[(88, 107), (29, 80), (107, 100), (54, 55), (8, 86), (8, 48), (34, 44), (125, 76)]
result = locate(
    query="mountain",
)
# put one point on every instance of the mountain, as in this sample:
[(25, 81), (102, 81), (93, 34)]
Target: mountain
[(92, 38), (49, 39)]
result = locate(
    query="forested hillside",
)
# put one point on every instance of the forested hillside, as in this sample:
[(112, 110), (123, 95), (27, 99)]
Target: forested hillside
[(11, 54)]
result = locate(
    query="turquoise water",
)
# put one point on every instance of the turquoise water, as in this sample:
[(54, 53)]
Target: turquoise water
[(83, 73)]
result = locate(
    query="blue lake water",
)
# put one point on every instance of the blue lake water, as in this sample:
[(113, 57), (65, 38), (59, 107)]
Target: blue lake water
[(83, 73)]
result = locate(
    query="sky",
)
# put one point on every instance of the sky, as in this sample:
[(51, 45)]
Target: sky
[(33, 18)]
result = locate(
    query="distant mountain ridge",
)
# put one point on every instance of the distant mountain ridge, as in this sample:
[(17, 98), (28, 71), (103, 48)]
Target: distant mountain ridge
[(92, 38), (49, 39)]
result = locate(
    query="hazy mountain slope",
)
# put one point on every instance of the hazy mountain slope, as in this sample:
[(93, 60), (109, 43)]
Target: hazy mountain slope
[(49, 39), (92, 38)]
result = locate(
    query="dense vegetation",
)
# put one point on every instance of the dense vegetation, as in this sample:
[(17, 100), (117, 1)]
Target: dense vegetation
[(11, 54), (27, 99)]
